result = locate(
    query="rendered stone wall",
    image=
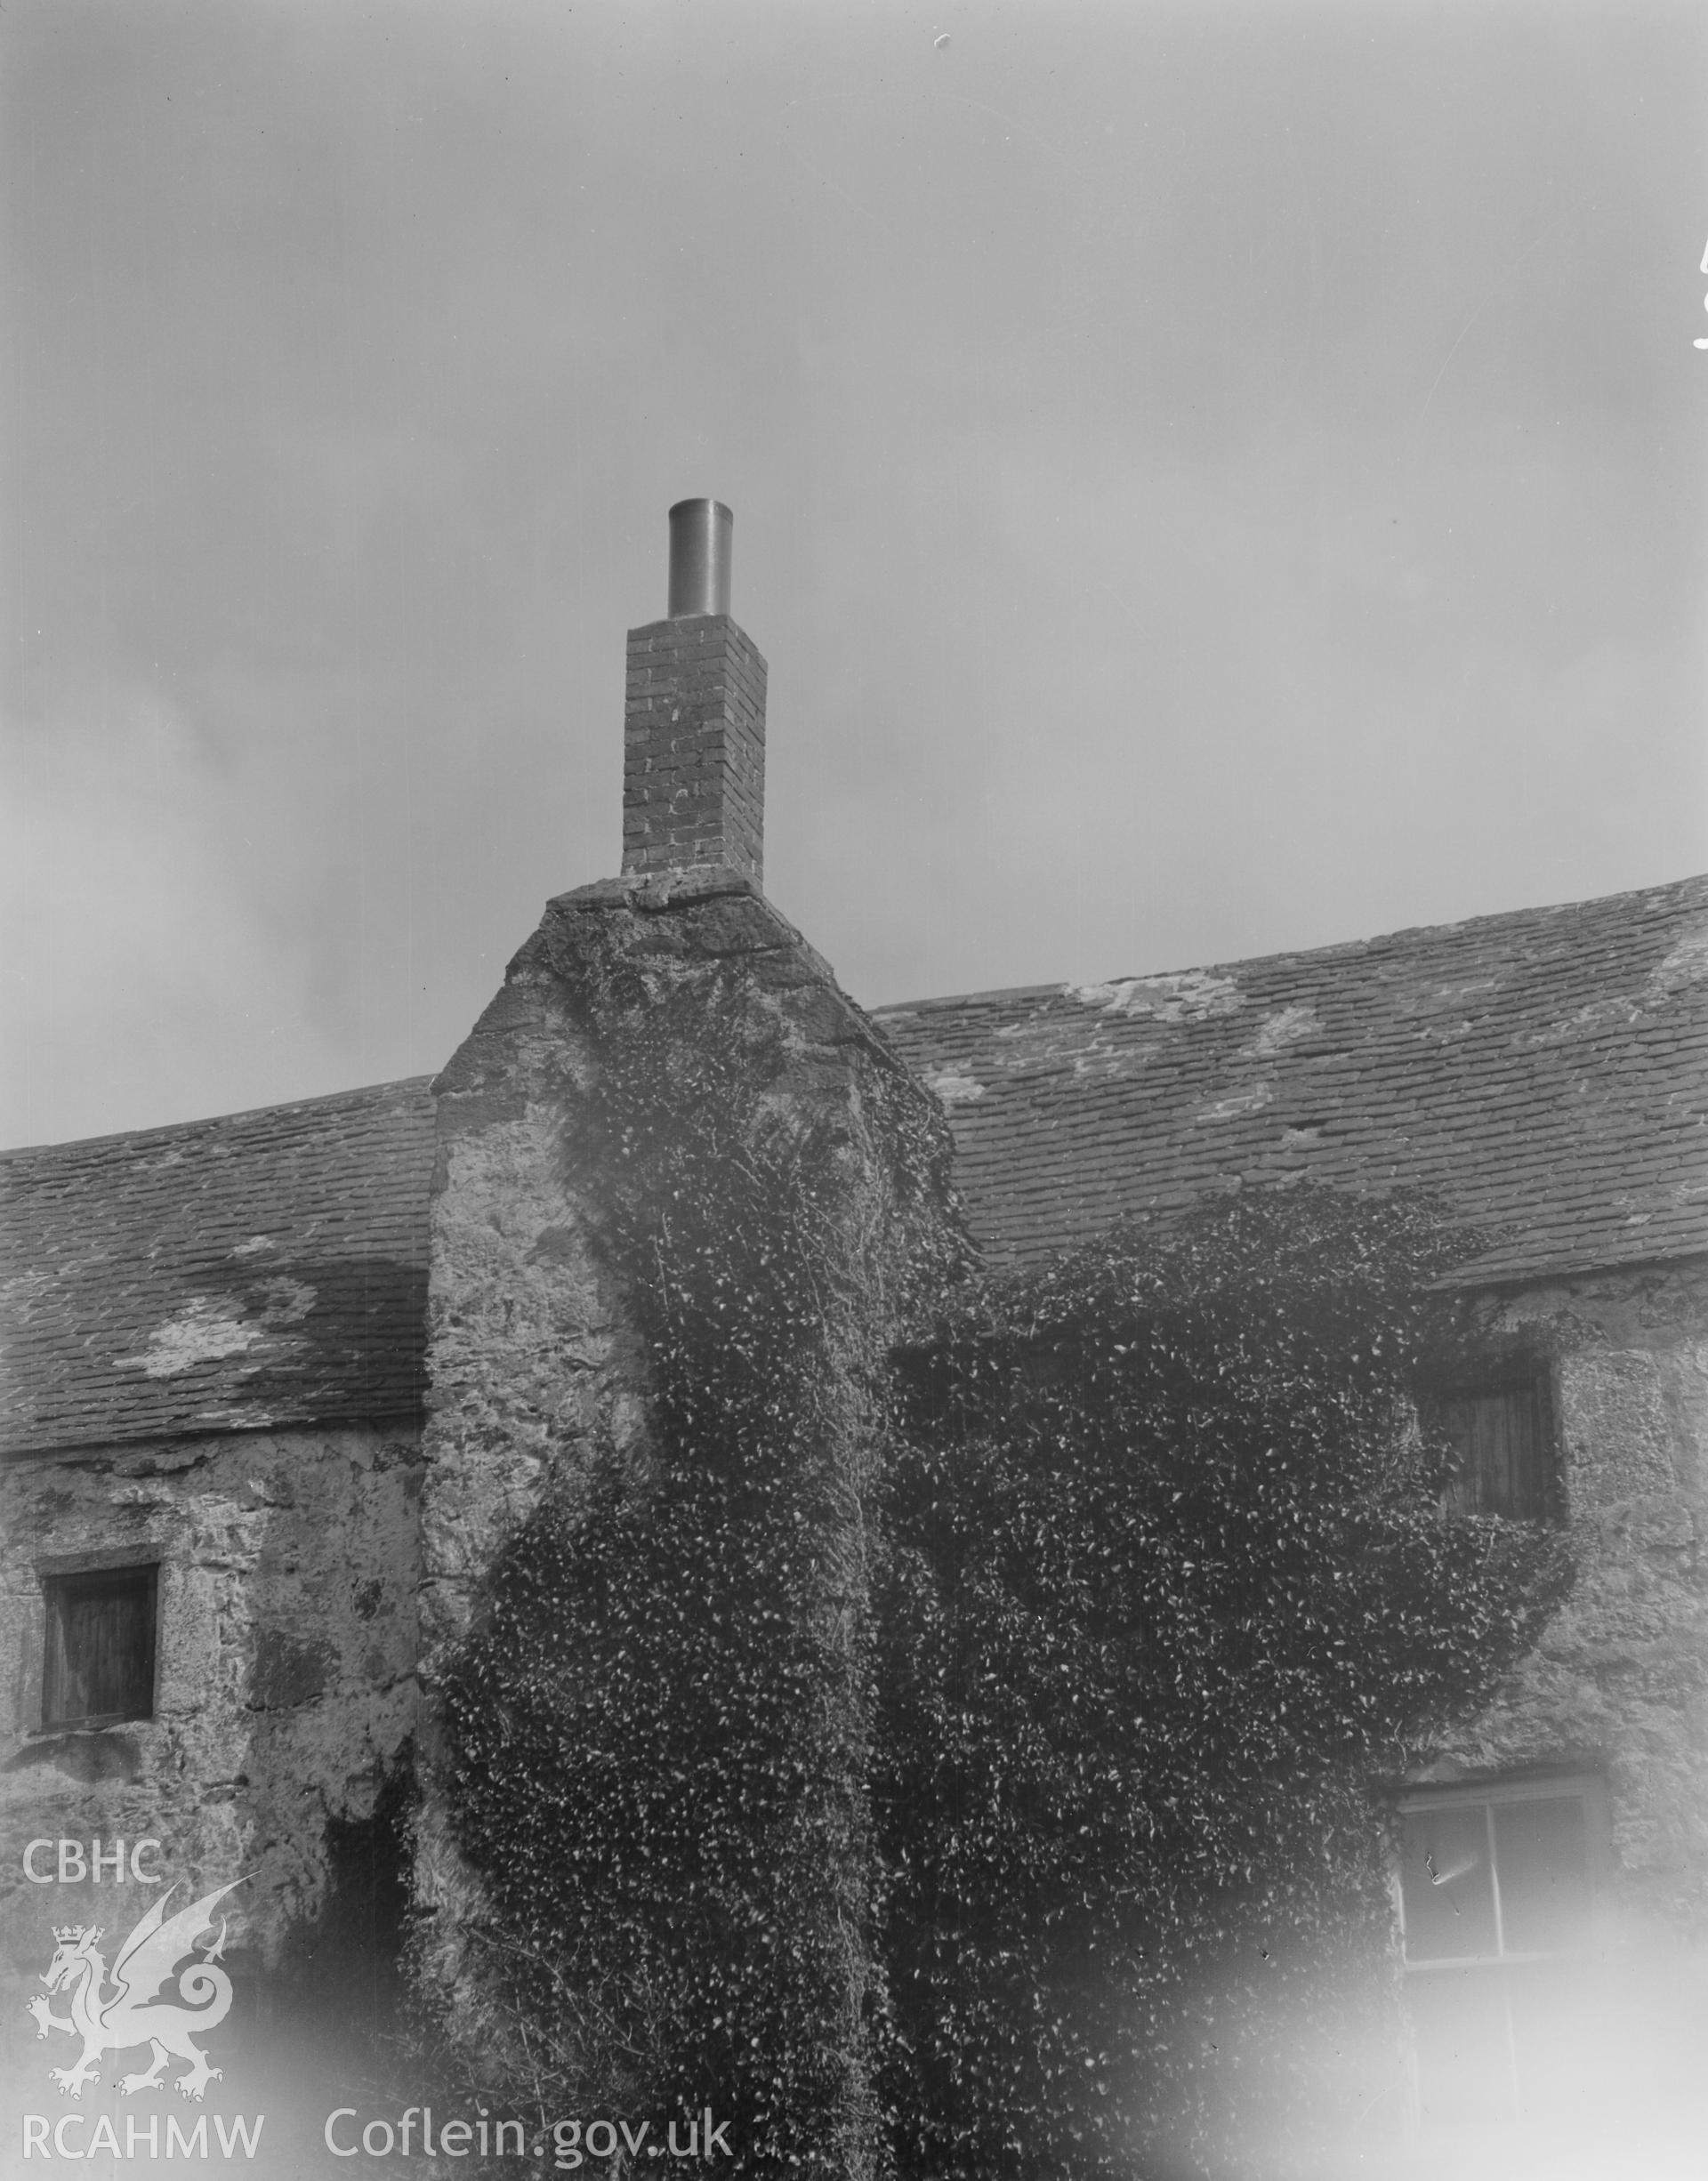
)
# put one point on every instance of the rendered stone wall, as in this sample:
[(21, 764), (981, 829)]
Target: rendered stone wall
[(1620, 1679), (536, 1366), (531, 1362), (285, 1672), (1618, 1686), (284, 1701)]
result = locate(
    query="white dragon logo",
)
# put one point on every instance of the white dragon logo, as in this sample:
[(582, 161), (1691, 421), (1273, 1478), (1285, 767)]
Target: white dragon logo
[(138, 2011)]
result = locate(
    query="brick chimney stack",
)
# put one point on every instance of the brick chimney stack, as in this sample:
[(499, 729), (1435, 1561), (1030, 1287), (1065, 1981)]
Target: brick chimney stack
[(694, 721)]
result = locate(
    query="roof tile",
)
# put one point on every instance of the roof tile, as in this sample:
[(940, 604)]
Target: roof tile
[(1545, 1071), (262, 1269)]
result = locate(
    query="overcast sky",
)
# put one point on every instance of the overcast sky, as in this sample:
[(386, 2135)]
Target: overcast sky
[(1208, 479)]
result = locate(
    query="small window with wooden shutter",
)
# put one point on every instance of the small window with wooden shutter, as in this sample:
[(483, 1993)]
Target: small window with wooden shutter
[(98, 1664), (1505, 1456)]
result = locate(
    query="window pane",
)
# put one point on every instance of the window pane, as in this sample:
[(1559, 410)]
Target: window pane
[(1445, 1884), (1542, 1854)]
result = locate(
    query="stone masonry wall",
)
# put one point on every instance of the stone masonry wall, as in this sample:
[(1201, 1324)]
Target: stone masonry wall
[(1618, 1687), (284, 1668), (285, 1689), (1620, 1680), (536, 1369)]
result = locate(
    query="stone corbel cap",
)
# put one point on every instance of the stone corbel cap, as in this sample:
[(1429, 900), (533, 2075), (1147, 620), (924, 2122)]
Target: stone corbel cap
[(656, 893)]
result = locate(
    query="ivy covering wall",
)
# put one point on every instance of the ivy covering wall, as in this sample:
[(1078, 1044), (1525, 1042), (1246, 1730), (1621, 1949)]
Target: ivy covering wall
[(954, 1748), (659, 1733), (1169, 1600)]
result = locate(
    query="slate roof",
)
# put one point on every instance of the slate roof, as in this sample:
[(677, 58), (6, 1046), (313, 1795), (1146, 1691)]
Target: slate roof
[(267, 1268), (1545, 1071)]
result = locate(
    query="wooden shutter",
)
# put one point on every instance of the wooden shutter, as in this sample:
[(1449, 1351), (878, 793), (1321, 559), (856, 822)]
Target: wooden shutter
[(1502, 1456), (100, 1662)]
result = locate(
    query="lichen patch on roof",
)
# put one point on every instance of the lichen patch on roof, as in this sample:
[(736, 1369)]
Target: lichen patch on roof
[(202, 1331), (1288, 1026), (210, 1328), (263, 1269), (1251, 1100), (1685, 965), (1182, 996), (953, 1088)]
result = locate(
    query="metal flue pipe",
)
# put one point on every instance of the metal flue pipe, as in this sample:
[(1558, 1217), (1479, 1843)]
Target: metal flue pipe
[(701, 548)]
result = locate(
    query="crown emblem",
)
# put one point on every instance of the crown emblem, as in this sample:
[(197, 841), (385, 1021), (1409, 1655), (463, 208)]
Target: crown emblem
[(165, 1991)]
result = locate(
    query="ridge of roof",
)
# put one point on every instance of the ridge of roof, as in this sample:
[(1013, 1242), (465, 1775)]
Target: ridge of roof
[(1661, 894), (364, 1093)]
